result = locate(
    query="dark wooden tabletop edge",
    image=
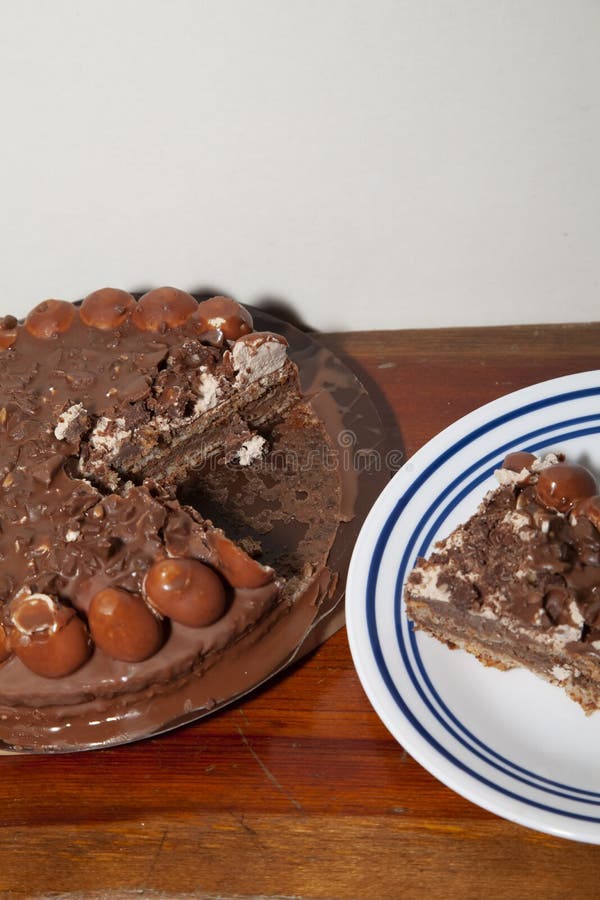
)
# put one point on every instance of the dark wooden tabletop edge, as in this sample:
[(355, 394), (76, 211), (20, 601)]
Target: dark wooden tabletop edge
[(520, 328)]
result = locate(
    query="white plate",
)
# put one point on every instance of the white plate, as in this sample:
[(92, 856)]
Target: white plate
[(507, 741)]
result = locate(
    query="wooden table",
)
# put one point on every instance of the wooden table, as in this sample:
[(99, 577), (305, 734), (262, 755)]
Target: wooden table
[(300, 791)]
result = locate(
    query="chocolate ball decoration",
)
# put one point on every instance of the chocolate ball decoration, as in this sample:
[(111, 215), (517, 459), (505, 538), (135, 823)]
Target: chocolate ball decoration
[(123, 626), (8, 331), (589, 509), (240, 570), (518, 460), (187, 591), (562, 485), (163, 308), (225, 315), (48, 637), (107, 308), (50, 318), (5, 648)]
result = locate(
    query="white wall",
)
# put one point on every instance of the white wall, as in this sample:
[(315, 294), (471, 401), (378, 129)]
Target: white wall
[(371, 164)]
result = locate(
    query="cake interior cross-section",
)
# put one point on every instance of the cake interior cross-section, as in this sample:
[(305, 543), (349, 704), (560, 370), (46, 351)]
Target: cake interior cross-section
[(519, 583)]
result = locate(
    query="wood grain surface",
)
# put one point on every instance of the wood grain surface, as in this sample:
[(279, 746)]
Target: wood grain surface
[(299, 791)]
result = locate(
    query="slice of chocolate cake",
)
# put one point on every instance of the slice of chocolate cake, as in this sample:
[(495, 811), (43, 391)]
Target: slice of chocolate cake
[(519, 583), (149, 452)]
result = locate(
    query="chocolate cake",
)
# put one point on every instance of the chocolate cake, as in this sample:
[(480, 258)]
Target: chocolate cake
[(152, 454), (519, 583)]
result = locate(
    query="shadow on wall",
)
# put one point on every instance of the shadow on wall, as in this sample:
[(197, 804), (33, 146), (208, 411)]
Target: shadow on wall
[(275, 306)]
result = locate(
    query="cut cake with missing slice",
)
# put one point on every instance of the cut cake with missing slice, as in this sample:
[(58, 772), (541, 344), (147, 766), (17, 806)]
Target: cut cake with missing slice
[(519, 583), (167, 507)]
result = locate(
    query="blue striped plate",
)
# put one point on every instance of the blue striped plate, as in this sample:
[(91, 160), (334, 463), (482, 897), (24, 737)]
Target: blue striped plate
[(507, 741)]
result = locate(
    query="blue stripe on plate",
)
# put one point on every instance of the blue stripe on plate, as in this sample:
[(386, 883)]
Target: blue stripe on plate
[(381, 543)]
